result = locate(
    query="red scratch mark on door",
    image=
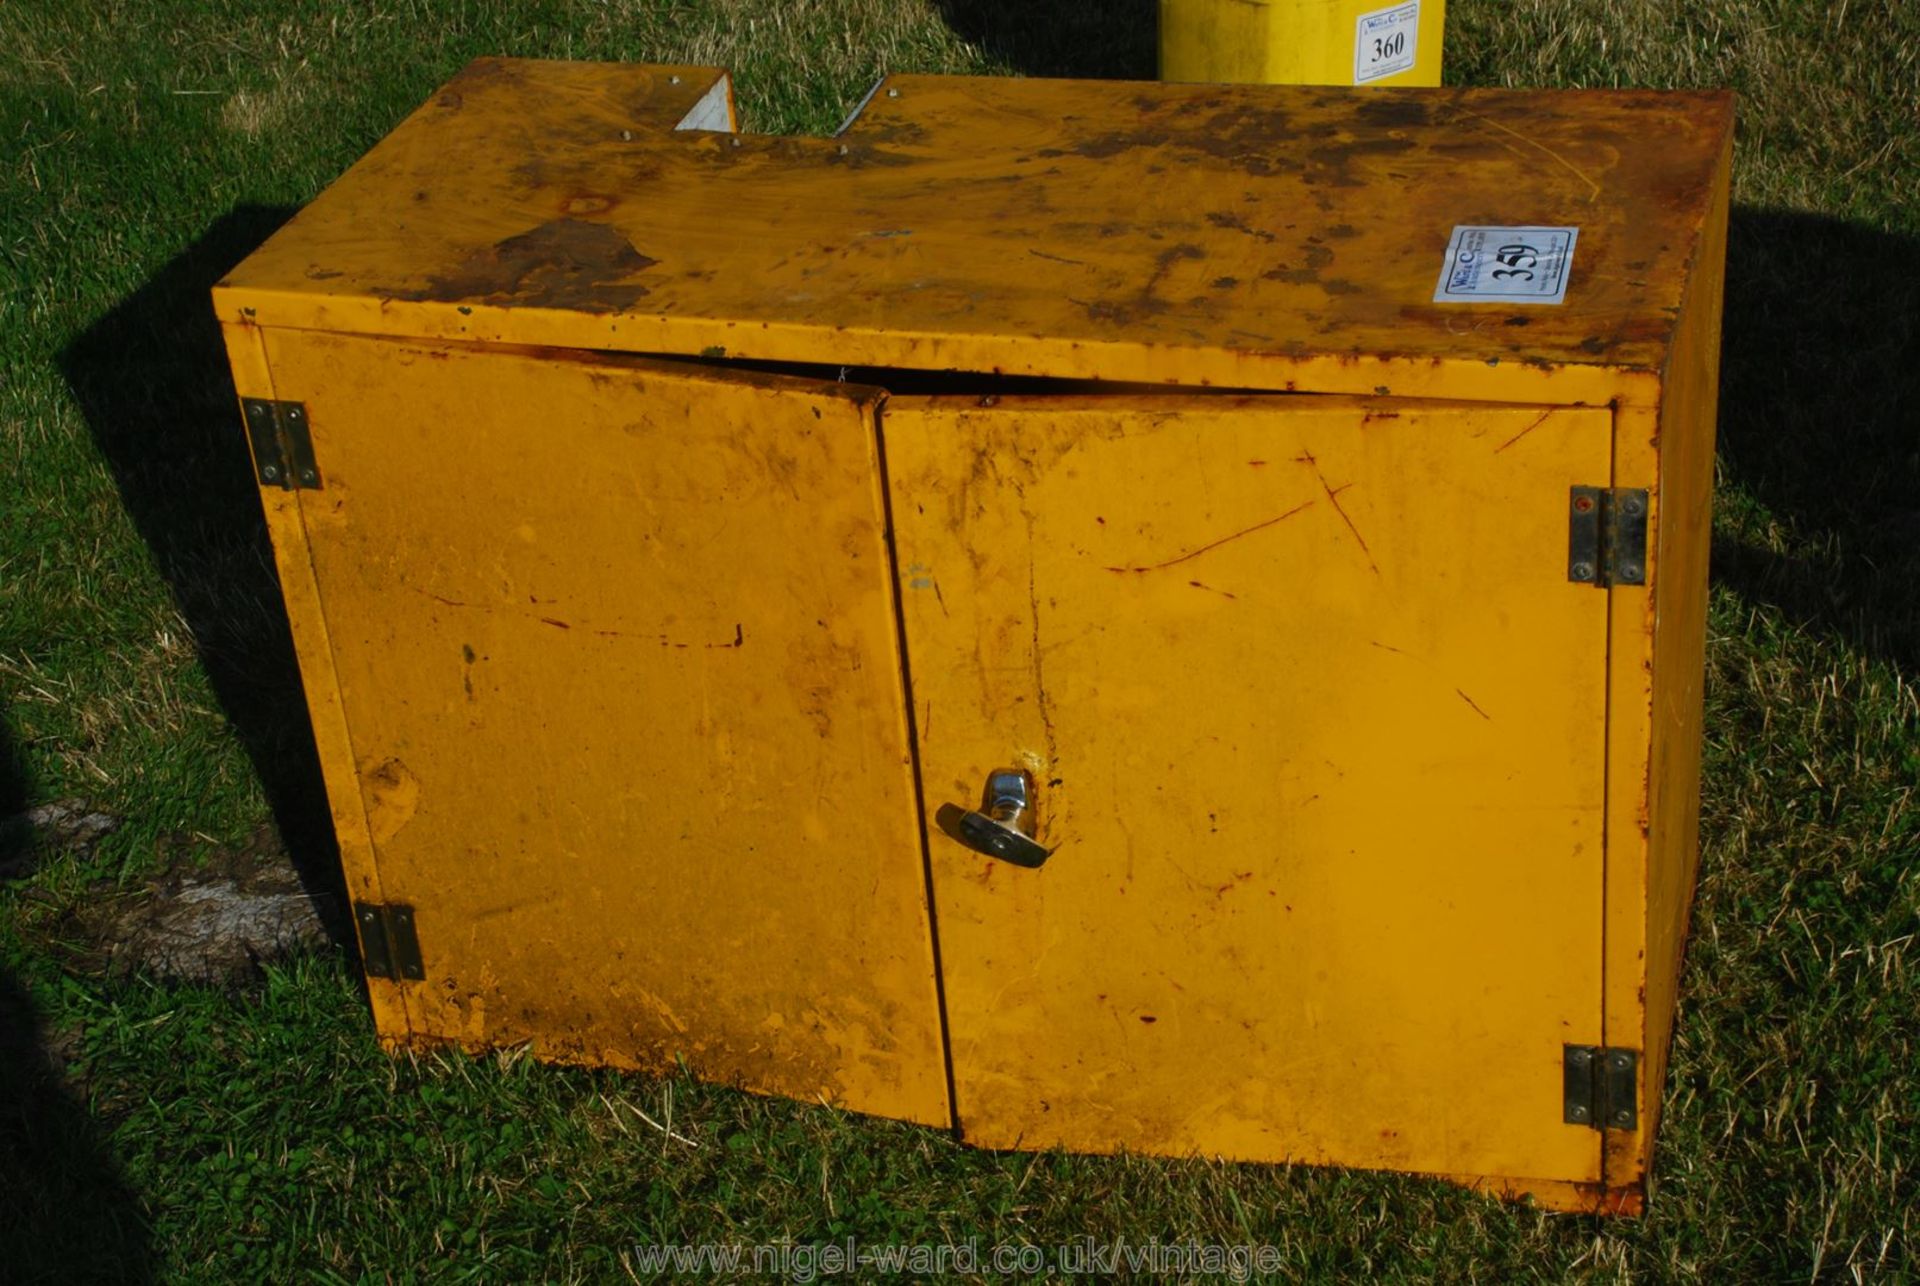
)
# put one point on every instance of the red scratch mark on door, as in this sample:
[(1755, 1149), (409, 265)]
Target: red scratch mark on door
[(1333, 497), (1215, 544)]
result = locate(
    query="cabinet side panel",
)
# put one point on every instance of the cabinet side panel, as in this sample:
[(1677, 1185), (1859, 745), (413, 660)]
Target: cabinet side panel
[(1687, 421), (246, 354), (1654, 696)]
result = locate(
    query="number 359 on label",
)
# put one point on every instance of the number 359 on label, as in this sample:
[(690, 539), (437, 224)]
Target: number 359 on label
[(1518, 265)]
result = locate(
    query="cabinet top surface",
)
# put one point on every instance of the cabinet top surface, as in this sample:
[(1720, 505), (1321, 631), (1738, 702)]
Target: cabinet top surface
[(1245, 235)]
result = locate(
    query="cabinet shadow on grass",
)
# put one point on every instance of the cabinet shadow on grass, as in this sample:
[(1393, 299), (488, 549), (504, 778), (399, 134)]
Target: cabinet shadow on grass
[(151, 378), (1820, 424), (1095, 39), (66, 1212)]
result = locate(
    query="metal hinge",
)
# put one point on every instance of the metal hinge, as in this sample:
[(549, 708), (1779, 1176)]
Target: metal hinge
[(1599, 1086), (282, 446), (1607, 536), (388, 943)]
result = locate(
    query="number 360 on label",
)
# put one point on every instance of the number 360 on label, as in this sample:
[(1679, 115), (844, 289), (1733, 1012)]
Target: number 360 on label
[(1385, 42)]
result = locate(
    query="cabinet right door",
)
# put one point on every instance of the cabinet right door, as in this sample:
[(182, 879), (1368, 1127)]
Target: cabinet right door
[(1315, 720)]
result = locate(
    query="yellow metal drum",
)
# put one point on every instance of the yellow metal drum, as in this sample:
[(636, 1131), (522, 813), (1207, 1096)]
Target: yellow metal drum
[(673, 558), (1303, 42)]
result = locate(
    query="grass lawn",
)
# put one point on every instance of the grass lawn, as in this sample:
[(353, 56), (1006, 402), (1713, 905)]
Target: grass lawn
[(255, 1130)]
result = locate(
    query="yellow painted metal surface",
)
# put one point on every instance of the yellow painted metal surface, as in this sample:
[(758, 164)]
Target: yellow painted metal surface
[(1320, 724), (307, 622), (1361, 810), (1668, 837), (1260, 236), (1302, 42), (616, 649)]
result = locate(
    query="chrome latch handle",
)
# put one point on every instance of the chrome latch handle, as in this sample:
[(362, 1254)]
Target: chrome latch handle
[(1002, 826)]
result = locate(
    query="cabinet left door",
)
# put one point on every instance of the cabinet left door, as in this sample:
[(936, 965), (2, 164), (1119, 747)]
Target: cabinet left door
[(608, 660)]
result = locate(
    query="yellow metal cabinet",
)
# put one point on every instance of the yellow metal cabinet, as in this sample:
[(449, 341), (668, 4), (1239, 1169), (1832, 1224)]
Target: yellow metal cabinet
[(682, 529)]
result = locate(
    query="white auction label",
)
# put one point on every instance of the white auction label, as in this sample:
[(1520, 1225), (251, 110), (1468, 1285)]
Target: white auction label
[(1526, 265), (1384, 41)]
